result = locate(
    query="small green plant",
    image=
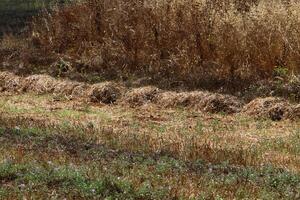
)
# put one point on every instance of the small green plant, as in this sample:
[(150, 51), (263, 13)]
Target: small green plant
[(61, 67), (281, 73)]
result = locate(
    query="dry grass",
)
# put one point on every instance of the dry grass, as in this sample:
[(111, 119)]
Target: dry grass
[(152, 143), (273, 108), (141, 96), (107, 92), (190, 41), (184, 134), (181, 153), (9, 81), (40, 84)]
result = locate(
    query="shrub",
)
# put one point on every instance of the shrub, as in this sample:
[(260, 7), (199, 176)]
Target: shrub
[(194, 41)]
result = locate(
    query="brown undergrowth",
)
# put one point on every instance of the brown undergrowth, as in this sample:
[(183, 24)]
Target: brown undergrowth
[(196, 43)]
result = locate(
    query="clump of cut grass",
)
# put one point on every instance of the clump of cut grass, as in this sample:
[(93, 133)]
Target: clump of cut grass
[(206, 101), (107, 92), (9, 81), (141, 96), (39, 83), (113, 92), (271, 107)]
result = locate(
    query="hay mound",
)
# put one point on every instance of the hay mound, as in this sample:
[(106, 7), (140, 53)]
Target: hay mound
[(3, 77), (107, 93), (184, 99), (202, 100), (273, 108), (216, 103), (296, 111), (39, 83), (168, 99), (10, 82), (81, 90), (141, 96), (65, 87)]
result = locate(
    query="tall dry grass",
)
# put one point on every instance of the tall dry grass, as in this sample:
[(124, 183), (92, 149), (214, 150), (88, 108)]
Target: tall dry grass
[(194, 41)]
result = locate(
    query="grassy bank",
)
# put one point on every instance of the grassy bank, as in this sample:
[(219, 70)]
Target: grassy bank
[(62, 150), (93, 171)]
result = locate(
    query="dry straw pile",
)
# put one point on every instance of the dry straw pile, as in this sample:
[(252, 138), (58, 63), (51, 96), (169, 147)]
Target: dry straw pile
[(274, 108), (114, 93)]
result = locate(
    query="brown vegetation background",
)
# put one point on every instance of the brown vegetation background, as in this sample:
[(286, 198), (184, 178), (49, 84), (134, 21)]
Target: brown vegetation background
[(196, 42)]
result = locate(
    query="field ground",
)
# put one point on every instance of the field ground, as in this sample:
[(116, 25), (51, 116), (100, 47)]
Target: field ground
[(62, 148), (118, 99)]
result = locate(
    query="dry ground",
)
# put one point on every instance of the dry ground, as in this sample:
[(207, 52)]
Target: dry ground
[(57, 146)]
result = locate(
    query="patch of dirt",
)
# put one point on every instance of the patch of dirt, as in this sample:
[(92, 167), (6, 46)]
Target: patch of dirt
[(141, 96), (106, 93), (271, 107)]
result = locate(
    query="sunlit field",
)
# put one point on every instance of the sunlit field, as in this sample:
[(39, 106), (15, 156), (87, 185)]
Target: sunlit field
[(152, 100)]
